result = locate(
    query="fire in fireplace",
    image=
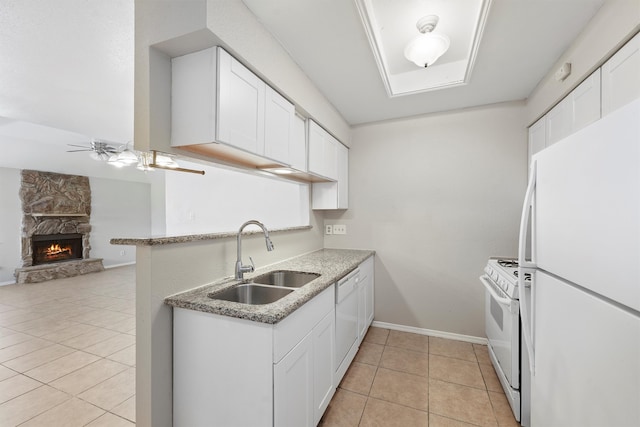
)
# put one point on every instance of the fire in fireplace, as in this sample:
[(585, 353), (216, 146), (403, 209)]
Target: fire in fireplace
[(49, 248)]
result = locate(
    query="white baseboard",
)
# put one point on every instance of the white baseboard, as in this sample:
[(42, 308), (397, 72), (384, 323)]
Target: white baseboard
[(431, 333), (10, 282), (106, 267)]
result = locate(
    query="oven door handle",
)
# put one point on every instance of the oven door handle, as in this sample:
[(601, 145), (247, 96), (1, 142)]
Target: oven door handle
[(489, 286)]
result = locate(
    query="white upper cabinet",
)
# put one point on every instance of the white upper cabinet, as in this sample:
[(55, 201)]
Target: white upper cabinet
[(577, 110), (298, 147), (215, 99), (334, 195), (621, 77), (241, 105), (323, 152), (585, 102), (537, 137), (193, 98), (558, 121), (279, 127)]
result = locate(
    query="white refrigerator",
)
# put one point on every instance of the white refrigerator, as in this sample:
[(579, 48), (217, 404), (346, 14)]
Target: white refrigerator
[(581, 318)]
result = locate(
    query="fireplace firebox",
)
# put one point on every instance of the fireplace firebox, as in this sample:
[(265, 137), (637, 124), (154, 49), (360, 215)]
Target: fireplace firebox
[(51, 248)]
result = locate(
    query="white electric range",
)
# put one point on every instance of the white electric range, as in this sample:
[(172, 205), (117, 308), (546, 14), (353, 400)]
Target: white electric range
[(503, 329)]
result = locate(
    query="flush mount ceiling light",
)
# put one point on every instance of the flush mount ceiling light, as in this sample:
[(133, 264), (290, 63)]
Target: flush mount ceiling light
[(426, 48), (389, 27)]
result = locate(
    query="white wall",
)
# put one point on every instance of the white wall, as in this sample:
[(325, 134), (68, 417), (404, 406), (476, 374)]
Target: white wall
[(118, 208), (58, 69), (224, 198), (10, 224), (435, 196)]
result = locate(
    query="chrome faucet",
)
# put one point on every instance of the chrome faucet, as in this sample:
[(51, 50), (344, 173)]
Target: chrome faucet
[(241, 269)]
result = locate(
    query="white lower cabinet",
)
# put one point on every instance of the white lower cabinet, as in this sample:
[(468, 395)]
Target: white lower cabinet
[(302, 380), (293, 386), (324, 339), (365, 298), (235, 372)]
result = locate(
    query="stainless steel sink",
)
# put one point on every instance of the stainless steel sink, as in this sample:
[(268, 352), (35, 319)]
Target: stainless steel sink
[(251, 294), (286, 278)]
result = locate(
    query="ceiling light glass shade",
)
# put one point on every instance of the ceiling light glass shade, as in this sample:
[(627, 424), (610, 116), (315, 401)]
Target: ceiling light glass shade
[(99, 156), (145, 160), (426, 48), (113, 161), (128, 157), (167, 161)]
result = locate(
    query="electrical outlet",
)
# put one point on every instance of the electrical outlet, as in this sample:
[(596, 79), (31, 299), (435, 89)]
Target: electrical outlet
[(339, 229), (328, 229), (123, 252)]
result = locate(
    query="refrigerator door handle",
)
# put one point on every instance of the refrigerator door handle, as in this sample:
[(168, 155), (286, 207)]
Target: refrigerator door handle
[(527, 267)]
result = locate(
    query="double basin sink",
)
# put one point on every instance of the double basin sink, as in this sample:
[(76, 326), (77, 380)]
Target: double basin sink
[(266, 288)]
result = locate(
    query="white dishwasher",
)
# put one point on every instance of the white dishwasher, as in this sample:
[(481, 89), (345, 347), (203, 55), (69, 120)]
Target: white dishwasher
[(346, 322)]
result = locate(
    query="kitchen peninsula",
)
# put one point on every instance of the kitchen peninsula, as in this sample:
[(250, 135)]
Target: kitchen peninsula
[(175, 264)]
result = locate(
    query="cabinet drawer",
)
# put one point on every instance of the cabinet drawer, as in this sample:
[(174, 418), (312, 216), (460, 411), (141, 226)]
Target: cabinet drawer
[(292, 330)]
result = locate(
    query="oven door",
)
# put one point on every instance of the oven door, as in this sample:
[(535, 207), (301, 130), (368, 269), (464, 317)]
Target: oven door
[(502, 317)]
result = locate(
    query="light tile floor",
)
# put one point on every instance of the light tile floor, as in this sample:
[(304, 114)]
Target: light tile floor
[(67, 358), (67, 351), (405, 380)]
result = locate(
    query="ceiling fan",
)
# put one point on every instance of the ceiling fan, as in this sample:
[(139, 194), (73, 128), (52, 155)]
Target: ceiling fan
[(100, 150)]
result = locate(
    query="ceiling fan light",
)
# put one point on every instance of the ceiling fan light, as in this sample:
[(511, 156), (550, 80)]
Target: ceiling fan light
[(166, 161), (99, 156), (113, 161), (426, 48), (128, 157)]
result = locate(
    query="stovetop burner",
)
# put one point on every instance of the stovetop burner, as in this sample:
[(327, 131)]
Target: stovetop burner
[(503, 273), (510, 263)]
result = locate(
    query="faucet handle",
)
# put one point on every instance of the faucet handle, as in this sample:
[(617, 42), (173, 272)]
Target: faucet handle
[(253, 266)]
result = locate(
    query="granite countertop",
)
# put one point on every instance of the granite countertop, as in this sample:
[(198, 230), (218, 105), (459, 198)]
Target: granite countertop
[(169, 240), (331, 264)]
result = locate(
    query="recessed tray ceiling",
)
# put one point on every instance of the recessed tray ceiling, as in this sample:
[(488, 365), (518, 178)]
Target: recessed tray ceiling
[(389, 28)]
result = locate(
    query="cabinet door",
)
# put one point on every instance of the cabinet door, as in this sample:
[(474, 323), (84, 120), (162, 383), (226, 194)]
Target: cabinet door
[(330, 154), (193, 98), (558, 121), (298, 149), (343, 176), (278, 127), (367, 275), (585, 102), (293, 386), (241, 103), (334, 195), (370, 300), (620, 81), (323, 352), (537, 138), (317, 136), (362, 309)]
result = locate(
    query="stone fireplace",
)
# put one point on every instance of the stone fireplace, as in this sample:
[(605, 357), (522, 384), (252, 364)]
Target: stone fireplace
[(55, 227)]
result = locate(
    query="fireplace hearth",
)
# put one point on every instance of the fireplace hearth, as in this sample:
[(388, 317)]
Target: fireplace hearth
[(52, 248)]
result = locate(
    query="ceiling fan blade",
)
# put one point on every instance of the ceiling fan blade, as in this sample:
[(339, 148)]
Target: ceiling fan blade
[(81, 146), (75, 151)]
